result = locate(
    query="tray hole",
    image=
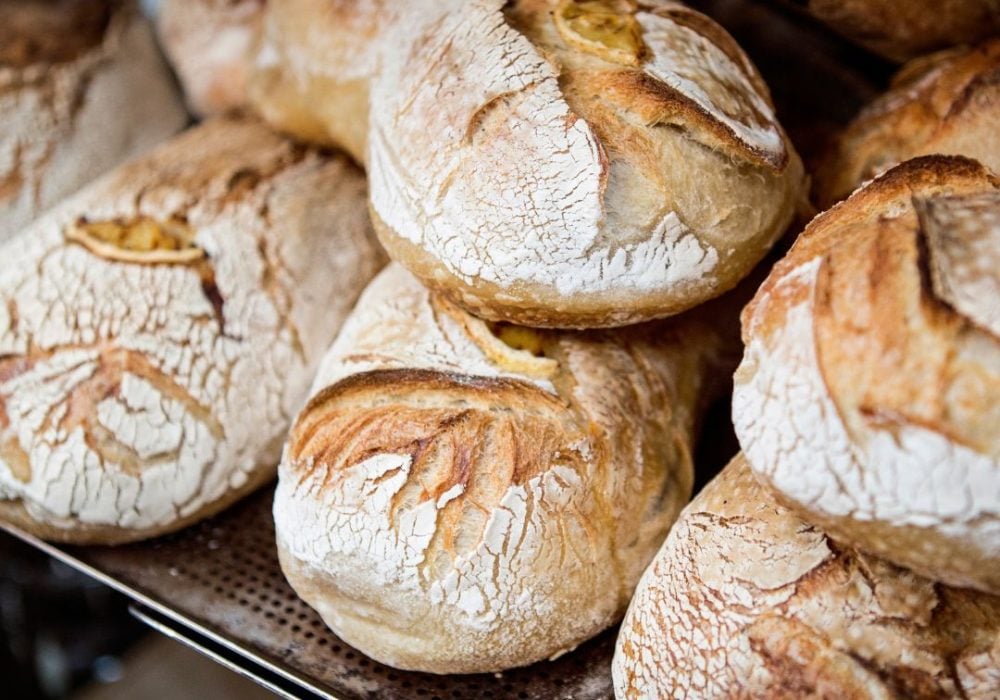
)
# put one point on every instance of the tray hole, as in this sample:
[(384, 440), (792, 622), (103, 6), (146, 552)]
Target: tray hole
[(309, 635), (322, 642)]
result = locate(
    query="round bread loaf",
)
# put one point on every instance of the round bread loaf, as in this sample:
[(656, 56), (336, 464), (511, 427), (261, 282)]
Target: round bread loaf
[(82, 88), (211, 44), (745, 600), (570, 163), (946, 103), (902, 30), (459, 497), (867, 396), (161, 328), (576, 164)]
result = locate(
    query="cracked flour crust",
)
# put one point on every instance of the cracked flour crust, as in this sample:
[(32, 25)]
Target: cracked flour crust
[(460, 497), (69, 116), (533, 173), (161, 327), (867, 392), (745, 600), (537, 183)]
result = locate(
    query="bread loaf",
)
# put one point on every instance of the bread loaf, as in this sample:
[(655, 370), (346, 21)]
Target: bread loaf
[(460, 497), (945, 103), (902, 30), (867, 396), (746, 600), (161, 328), (212, 45), (557, 164), (82, 88), (314, 66)]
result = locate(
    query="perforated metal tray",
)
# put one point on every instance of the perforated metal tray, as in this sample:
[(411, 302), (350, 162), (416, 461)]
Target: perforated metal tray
[(217, 587)]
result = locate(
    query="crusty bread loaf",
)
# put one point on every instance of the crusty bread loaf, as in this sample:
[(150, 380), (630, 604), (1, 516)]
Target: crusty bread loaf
[(549, 163), (211, 44), (903, 29), (745, 600), (946, 103), (867, 396), (458, 497), (314, 66), (161, 328), (574, 164), (82, 88)]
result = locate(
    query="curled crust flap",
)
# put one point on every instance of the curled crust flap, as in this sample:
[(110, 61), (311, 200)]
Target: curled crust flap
[(747, 600), (675, 67), (697, 76), (962, 235)]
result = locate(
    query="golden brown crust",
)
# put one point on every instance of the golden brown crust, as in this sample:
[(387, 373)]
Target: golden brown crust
[(483, 516), (313, 67), (747, 600), (536, 175), (902, 30), (867, 394), (948, 103)]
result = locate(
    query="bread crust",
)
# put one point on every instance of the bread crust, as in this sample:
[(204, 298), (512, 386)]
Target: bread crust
[(747, 600), (314, 66), (867, 392), (529, 179), (946, 103), (451, 504), (211, 44), (82, 88), (142, 389), (542, 185), (903, 30)]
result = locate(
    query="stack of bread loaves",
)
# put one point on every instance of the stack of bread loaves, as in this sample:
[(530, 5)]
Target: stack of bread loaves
[(482, 473), (482, 458), (853, 549)]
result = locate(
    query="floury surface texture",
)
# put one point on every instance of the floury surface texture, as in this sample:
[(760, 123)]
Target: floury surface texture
[(461, 498), (162, 326), (553, 164)]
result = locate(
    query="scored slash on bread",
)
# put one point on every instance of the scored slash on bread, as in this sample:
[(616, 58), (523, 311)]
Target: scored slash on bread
[(867, 393), (82, 89), (162, 326), (747, 600), (550, 164), (452, 507)]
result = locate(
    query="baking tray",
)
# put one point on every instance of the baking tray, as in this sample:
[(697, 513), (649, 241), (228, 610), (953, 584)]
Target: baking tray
[(217, 586)]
